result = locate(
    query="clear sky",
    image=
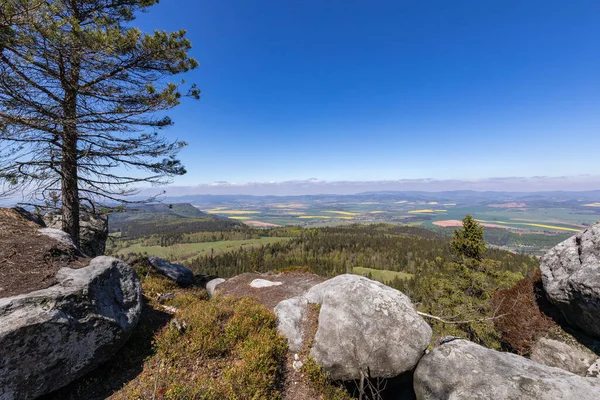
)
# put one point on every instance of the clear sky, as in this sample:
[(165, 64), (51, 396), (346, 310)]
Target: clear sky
[(383, 90)]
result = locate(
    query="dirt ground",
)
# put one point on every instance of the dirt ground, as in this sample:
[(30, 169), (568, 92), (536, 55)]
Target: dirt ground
[(29, 261)]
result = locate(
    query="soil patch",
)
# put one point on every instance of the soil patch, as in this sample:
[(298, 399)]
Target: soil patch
[(296, 385), (259, 224), (29, 261), (293, 284)]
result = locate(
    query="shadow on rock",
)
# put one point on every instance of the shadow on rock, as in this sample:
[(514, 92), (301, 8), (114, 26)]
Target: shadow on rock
[(550, 310), (123, 367)]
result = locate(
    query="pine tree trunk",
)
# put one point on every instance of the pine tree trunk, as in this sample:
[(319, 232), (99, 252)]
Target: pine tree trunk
[(70, 183), (70, 191)]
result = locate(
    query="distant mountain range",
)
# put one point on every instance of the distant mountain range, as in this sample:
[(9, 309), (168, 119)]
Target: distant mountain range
[(471, 197)]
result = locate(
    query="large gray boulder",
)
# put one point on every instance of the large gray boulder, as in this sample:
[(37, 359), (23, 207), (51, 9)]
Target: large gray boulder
[(364, 327), (179, 273), (563, 355), (571, 278), (53, 336), (93, 230), (459, 369)]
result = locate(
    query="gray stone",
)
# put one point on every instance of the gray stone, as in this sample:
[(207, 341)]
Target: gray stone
[(53, 336), (594, 369), (290, 314), (366, 327), (93, 230), (211, 286), (179, 273), (35, 218), (58, 235), (571, 278), (459, 369), (562, 355)]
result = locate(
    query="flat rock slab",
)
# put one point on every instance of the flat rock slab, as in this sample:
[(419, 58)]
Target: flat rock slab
[(263, 283), (459, 369), (53, 336), (177, 272), (292, 284), (563, 355)]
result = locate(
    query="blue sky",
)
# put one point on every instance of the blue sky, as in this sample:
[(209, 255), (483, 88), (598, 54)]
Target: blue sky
[(385, 90)]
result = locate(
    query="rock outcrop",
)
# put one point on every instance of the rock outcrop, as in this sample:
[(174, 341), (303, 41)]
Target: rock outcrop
[(52, 336), (571, 278), (179, 273), (364, 327), (93, 231), (563, 355), (211, 286), (459, 369)]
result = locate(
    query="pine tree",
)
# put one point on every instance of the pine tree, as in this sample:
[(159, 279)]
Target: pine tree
[(79, 89), (468, 241)]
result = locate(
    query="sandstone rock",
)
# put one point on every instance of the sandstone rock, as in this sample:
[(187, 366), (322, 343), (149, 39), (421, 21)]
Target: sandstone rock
[(35, 218), (262, 283), (571, 278), (52, 336), (211, 286), (594, 369), (93, 230), (364, 327), (459, 369), (562, 355), (180, 274), (58, 235), (290, 314)]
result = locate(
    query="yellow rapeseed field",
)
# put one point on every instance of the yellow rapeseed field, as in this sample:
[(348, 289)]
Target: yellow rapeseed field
[(347, 213), (592, 205), (559, 228), (231, 212)]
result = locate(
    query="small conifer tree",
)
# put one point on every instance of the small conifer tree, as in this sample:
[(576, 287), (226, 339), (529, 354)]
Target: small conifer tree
[(468, 241)]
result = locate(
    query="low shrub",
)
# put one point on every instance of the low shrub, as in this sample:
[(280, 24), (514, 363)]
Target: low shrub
[(521, 322), (218, 349)]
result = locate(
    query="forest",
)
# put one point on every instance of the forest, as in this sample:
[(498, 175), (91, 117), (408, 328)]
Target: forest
[(458, 289)]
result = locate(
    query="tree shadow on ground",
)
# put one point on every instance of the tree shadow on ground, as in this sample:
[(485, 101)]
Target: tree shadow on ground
[(400, 387), (123, 367)]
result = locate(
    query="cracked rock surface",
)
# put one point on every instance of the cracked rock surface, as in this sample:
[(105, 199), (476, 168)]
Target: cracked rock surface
[(571, 278), (53, 336), (459, 369)]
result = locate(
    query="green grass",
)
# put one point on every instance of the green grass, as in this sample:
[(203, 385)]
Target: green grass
[(381, 275), (185, 251)]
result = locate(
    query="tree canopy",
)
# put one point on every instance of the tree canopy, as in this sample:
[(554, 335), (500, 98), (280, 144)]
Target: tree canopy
[(81, 91)]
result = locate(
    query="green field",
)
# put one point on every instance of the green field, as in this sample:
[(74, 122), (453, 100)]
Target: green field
[(185, 251), (381, 275)]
